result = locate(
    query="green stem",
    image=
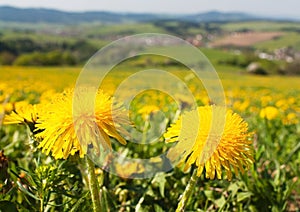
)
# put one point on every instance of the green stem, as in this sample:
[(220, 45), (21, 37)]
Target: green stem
[(42, 205), (93, 185), (145, 131), (187, 192)]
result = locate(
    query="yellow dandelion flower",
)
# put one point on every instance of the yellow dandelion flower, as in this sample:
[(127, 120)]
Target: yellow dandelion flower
[(129, 169), (204, 99), (145, 111), (241, 106), (269, 112), (291, 100), (67, 130), (282, 104), (47, 95), (265, 100), (8, 107), (291, 118), (212, 149), (24, 113)]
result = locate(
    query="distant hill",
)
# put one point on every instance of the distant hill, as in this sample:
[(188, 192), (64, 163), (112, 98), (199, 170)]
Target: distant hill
[(30, 15), (220, 16), (55, 16)]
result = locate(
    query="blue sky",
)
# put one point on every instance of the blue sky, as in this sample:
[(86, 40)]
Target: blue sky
[(286, 8)]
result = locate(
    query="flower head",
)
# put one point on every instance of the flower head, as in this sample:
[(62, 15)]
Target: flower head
[(23, 113), (147, 110), (128, 170), (291, 118), (68, 129), (211, 141), (241, 105), (269, 112)]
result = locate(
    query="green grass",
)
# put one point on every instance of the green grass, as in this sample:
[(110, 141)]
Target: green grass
[(215, 55)]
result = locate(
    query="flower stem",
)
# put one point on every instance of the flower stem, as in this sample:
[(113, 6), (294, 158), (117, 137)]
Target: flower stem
[(145, 131), (187, 192), (93, 185), (42, 205)]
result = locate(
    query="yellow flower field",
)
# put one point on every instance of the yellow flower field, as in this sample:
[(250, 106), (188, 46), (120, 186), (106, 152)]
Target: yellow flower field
[(255, 167)]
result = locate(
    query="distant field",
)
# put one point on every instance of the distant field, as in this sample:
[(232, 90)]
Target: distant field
[(287, 40), (246, 39), (58, 78), (261, 26)]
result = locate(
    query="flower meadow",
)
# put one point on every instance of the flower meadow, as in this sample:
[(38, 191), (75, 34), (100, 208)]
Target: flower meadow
[(45, 144)]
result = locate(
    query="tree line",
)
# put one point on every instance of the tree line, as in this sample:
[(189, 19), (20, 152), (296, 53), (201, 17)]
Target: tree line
[(28, 52)]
